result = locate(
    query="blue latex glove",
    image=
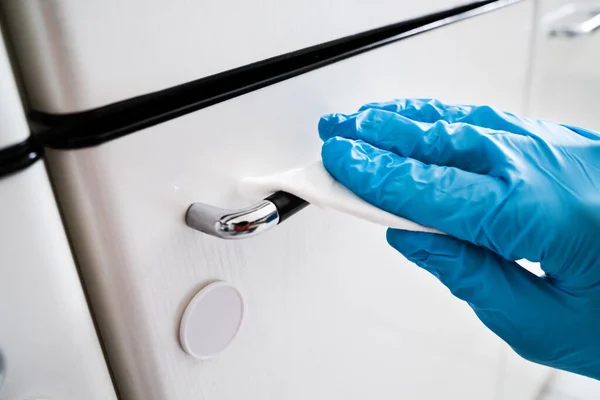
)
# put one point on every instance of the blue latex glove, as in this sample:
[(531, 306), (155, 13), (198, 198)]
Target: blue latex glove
[(504, 188)]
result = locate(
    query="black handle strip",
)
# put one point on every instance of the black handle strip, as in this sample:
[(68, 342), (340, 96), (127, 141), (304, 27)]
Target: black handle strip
[(19, 156), (93, 127)]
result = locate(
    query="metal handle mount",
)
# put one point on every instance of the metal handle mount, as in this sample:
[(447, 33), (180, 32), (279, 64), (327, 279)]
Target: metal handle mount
[(246, 222), (576, 19)]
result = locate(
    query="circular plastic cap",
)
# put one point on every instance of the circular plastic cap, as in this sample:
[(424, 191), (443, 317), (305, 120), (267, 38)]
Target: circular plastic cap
[(211, 320)]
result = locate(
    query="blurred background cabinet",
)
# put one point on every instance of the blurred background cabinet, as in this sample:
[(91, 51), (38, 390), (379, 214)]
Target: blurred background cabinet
[(565, 74)]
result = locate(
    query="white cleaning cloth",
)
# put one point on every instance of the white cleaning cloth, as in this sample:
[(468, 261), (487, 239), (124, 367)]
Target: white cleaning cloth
[(315, 185)]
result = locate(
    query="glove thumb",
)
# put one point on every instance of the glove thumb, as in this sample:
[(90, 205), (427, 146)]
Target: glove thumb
[(504, 295), (473, 274)]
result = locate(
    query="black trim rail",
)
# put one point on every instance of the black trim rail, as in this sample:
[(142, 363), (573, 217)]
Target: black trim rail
[(19, 156), (103, 124)]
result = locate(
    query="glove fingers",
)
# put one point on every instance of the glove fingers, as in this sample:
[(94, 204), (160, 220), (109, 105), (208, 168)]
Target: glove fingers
[(423, 110), (473, 274), (461, 145), (451, 200), (431, 110)]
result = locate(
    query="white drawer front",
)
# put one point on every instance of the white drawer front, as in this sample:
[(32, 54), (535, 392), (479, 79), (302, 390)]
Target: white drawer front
[(77, 55), (48, 341), (332, 311)]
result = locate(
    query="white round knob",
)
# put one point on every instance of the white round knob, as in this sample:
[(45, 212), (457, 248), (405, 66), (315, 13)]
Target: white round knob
[(211, 320)]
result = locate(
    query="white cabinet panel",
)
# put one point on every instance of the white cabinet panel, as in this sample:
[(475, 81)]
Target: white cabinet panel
[(48, 343), (77, 55), (566, 73), (331, 310), (47, 337)]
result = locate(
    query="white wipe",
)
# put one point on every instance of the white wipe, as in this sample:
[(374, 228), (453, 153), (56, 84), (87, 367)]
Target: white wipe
[(315, 185)]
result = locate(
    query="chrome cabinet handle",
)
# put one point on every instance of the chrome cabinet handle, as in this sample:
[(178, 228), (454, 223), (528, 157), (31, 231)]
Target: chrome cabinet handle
[(246, 222), (575, 20)]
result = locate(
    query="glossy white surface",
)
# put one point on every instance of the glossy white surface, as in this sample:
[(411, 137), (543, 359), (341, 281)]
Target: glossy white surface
[(13, 126), (50, 347), (77, 55), (332, 311)]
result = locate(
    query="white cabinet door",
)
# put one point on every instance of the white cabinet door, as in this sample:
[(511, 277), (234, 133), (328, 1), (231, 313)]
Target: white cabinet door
[(331, 310), (77, 55), (47, 338), (48, 345), (566, 73)]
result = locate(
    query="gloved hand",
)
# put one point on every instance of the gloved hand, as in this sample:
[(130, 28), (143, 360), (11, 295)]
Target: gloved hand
[(503, 188)]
